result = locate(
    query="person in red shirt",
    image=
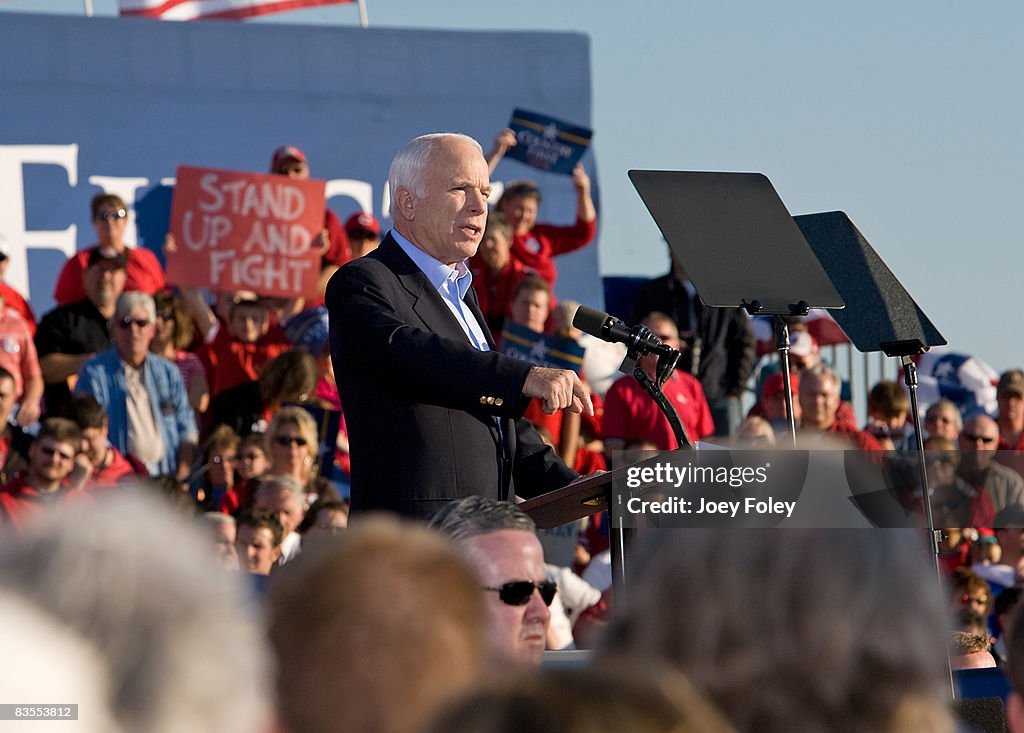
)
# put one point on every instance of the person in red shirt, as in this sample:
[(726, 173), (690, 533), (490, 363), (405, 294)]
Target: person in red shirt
[(1010, 398), (495, 273), (107, 465), (52, 477), (236, 354), (363, 232), (535, 245), (289, 161), (12, 297), (632, 417), (819, 405), (110, 219)]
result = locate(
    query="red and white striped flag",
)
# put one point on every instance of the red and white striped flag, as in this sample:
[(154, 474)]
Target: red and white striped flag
[(222, 9)]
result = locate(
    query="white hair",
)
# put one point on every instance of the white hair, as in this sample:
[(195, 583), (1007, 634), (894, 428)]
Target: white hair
[(129, 301), (410, 164), (182, 643)]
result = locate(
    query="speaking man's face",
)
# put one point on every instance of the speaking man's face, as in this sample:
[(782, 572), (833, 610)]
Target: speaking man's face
[(448, 221)]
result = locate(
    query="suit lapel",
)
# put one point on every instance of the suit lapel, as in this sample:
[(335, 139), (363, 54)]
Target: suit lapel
[(426, 302)]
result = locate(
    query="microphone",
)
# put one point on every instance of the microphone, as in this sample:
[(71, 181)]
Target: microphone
[(638, 339)]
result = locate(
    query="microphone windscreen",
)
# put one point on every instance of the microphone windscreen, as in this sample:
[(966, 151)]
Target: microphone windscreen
[(589, 320)]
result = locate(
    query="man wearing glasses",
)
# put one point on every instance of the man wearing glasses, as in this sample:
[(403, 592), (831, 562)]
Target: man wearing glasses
[(978, 467), (500, 542), (144, 395), (110, 220), (47, 480)]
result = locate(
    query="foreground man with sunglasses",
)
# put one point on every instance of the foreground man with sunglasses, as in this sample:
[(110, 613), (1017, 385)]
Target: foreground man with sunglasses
[(500, 542)]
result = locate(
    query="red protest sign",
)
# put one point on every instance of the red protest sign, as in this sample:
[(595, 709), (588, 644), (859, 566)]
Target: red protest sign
[(246, 231)]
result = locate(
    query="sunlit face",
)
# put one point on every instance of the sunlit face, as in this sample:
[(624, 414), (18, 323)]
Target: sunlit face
[(224, 544), (940, 422), (291, 453), (50, 460), (819, 400), (103, 282), (295, 169), (515, 634), (94, 443), (222, 464), (1011, 407), (495, 249), (8, 396), (110, 225), (448, 221), (133, 334), (282, 502), (978, 442), (248, 323), (530, 308), (521, 212), (256, 551), (252, 461)]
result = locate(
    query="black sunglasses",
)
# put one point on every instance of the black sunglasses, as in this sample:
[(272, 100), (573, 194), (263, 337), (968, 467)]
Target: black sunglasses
[(127, 322), (518, 592), (109, 215), (289, 439), (975, 438)]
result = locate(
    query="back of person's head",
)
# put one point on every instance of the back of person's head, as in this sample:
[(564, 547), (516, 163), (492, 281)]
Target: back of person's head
[(640, 697), (290, 377), (131, 577), (790, 630), (46, 661), (888, 400), (374, 630)]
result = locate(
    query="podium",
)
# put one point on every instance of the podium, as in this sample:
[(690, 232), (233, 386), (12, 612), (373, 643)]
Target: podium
[(587, 496), (581, 499)]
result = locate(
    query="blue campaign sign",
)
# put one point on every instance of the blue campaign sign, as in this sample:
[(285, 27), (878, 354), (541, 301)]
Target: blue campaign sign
[(537, 348), (117, 104), (547, 143)]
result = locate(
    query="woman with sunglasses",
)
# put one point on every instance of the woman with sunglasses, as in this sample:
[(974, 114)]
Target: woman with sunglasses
[(110, 220), (293, 445)]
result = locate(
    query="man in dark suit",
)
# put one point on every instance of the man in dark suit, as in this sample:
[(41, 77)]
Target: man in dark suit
[(433, 412)]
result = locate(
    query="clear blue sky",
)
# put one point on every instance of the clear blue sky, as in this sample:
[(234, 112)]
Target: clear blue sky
[(907, 115)]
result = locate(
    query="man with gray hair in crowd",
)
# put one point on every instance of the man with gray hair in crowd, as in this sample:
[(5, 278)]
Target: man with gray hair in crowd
[(501, 544), (144, 394)]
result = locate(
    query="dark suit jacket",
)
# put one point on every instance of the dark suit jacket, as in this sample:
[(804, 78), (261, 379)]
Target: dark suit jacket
[(420, 400)]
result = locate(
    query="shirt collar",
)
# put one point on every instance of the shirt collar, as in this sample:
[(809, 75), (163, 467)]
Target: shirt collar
[(437, 272)]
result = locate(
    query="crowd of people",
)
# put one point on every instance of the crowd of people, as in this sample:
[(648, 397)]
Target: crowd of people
[(135, 399)]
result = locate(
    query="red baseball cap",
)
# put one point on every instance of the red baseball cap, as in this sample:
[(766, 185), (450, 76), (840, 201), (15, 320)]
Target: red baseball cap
[(362, 222), (773, 385), (286, 152)]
